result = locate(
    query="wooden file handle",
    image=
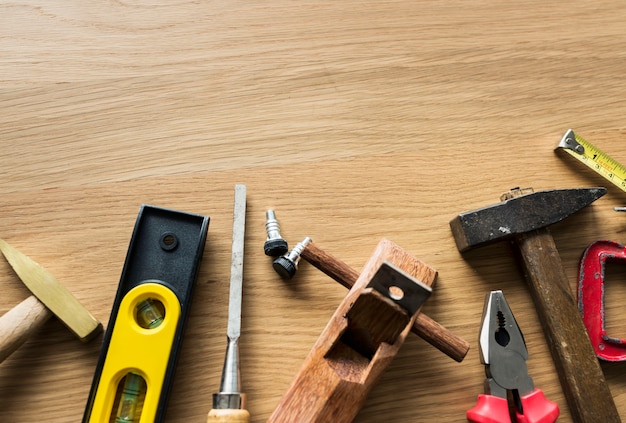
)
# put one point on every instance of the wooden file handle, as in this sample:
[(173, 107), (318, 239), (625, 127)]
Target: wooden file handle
[(17, 324), (428, 329), (582, 380), (228, 416)]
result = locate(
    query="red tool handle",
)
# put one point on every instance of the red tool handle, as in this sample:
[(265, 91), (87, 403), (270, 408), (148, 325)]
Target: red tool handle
[(538, 409), (491, 409)]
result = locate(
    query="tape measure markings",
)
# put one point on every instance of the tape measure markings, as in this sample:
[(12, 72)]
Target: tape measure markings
[(594, 158)]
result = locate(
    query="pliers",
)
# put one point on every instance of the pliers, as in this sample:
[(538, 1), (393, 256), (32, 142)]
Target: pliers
[(510, 393)]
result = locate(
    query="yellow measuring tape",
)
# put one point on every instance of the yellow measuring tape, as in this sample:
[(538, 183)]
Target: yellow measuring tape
[(594, 158)]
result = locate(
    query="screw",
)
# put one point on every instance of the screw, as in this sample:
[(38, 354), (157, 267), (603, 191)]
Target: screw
[(287, 265), (275, 245)]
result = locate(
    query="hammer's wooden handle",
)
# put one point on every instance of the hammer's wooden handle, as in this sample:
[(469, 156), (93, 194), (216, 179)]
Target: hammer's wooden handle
[(582, 380), (17, 324), (428, 329)]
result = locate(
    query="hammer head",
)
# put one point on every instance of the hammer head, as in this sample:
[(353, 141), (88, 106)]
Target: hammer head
[(519, 214), (52, 294)]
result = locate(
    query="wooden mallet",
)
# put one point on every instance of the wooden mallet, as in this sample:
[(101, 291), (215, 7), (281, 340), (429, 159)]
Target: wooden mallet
[(49, 297)]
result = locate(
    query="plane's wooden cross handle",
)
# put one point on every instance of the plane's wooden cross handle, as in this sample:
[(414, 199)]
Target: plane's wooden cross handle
[(428, 329)]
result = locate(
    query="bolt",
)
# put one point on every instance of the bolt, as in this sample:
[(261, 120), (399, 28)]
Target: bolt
[(287, 264), (275, 245)]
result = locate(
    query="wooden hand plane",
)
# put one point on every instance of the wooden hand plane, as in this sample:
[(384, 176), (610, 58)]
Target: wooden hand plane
[(361, 339)]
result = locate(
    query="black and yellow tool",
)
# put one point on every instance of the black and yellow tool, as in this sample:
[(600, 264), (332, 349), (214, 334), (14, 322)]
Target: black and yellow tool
[(594, 158), (141, 345), (229, 402)]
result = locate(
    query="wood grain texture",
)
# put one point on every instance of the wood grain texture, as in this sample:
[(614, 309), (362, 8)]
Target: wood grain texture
[(362, 337), (354, 120), (425, 327), (228, 416), (54, 296), (582, 380), (17, 324)]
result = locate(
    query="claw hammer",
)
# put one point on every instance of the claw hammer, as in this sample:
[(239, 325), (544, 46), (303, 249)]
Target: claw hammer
[(523, 216)]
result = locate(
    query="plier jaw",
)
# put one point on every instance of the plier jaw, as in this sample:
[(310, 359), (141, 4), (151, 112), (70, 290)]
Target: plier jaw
[(510, 393)]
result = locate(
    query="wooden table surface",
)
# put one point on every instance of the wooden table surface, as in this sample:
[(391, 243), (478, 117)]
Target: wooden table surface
[(354, 120)]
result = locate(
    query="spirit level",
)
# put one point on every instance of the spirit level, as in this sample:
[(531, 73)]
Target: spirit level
[(143, 337)]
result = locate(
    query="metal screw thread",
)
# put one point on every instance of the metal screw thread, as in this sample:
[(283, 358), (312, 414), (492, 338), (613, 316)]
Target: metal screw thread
[(275, 245), (294, 254), (271, 225), (287, 264)]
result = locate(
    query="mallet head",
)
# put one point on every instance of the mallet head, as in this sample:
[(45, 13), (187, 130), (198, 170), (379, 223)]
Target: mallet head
[(52, 294), (519, 214)]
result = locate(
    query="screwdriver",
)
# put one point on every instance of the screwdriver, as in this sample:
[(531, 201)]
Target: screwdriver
[(228, 403)]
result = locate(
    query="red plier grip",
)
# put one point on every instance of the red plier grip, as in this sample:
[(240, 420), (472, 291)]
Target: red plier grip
[(492, 409)]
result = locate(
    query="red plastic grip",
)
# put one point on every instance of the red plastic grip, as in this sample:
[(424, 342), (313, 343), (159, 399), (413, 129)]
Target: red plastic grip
[(489, 409), (537, 409)]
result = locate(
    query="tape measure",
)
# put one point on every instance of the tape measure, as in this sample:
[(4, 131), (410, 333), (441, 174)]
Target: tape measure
[(594, 158)]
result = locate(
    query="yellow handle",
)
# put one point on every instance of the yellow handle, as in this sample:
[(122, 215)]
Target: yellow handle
[(228, 416)]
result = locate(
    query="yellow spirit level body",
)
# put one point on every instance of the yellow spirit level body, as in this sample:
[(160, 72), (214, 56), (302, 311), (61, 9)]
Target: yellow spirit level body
[(141, 344)]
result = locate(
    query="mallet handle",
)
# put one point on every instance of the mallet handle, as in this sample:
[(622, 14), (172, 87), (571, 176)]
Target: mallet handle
[(17, 324), (582, 380), (425, 327)]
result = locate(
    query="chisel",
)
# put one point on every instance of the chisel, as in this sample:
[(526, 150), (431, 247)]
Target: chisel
[(229, 402)]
